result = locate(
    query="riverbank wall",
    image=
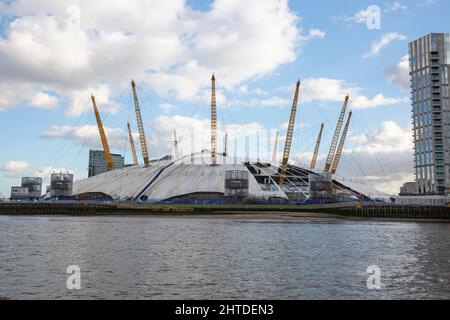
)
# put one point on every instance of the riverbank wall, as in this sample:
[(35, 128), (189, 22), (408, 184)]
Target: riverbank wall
[(344, 210)]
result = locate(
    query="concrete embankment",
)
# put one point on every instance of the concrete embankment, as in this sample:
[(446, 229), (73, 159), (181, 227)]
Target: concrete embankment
[(385, 211), (256, 211), (136, 209)]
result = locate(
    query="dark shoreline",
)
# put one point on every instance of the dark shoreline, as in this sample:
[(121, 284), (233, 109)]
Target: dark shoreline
[(347, 212), (240, 216)]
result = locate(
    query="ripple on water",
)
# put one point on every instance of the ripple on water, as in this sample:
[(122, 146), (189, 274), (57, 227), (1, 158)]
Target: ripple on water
[(181, 258)]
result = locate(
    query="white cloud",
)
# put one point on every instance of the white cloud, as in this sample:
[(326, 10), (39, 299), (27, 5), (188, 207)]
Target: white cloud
[(396, 6), (243, 89), (246, 90), (196, 131), (360, 16), (88, 135), (335, 90), (390, 184), (382, 43), (326, 89), (18, 169), (361, 102), (383, 158), (260, 91), (44, 100), (14, 168), (388, 135), (167, 46), (22, 94), (167, 107), (425, 3), (313, 34), (80, 100), (399, 74), (273, 102), (159, 134), (316, 33)]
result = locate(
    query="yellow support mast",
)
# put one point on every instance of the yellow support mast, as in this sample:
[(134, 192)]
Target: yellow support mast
[(101, 130), (316, 150), (337, 132), (132, 146), (290, 132), (337, 159), (142, 138)]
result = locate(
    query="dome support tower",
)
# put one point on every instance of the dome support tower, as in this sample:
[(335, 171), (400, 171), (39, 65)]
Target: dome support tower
[(213, 122), (142, 138), (337, 132), (290, 132)]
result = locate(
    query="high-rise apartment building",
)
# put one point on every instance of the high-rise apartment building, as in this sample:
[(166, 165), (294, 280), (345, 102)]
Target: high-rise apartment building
[(97, 162), (429, 63)]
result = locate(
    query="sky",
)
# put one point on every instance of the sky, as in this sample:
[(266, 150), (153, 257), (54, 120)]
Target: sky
[(55, 54)]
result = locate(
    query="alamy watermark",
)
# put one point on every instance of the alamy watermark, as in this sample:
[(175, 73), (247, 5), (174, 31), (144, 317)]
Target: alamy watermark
[(373, 17), (374, 279), (73, 22), (73, 282)]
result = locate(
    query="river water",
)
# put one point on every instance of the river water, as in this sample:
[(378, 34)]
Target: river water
[(215, 258)]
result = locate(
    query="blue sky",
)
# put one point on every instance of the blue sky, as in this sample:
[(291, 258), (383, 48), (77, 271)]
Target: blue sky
[(49, 66)]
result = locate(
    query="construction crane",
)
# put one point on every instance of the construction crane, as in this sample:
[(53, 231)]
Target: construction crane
[(133, 147), (225, 145), (175, 144), (341, 145), (275, 149), (290, 132), (337, 132), (142, 138), (213, 121), (101, 130), (316, 150)]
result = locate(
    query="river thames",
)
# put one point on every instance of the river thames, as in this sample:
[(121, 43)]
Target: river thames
[(222, 258)]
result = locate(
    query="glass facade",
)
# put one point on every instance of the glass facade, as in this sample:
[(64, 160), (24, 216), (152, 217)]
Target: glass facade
[(428, 62), (97, 162)]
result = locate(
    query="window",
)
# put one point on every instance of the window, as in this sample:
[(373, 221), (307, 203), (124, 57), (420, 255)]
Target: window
[(434, 43), (447, 49)]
